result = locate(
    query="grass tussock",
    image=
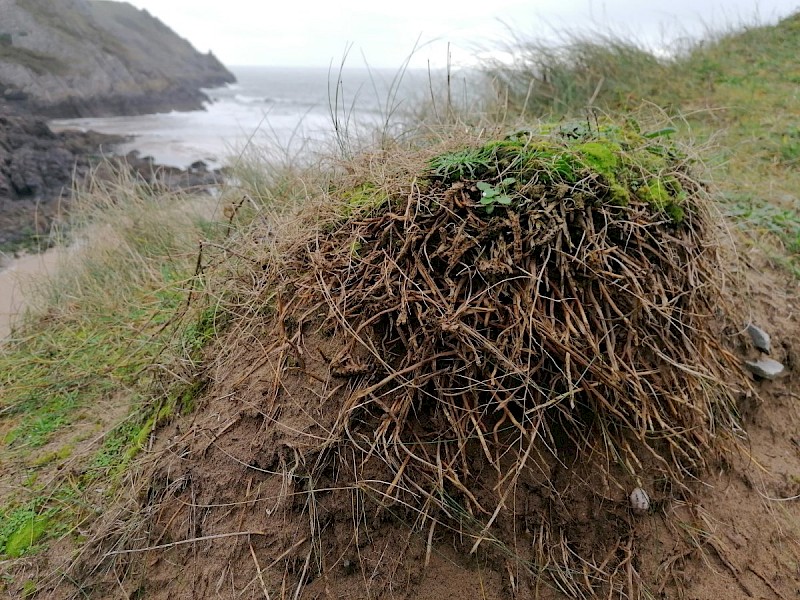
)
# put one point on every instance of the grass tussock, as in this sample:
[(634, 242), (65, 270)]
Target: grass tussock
[(582, 70), (734, 90), (471, 335), (498, 329)]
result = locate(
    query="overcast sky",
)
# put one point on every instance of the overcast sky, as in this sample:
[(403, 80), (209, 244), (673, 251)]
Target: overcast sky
[(316, 32)]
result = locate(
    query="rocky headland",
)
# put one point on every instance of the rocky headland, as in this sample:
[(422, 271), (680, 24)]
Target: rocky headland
[(82, 58)]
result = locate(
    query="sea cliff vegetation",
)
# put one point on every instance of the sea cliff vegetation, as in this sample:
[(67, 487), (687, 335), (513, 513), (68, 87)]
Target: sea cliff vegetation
[(458, 349)]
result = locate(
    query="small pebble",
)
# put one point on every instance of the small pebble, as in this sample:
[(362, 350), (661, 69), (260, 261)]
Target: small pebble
[(765, 368), (760, 338), (640, 501)]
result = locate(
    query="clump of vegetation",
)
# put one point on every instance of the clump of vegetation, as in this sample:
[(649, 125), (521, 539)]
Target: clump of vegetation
[(471, 318), (482, 342), (728, 90), (583, 70), (621, 163)]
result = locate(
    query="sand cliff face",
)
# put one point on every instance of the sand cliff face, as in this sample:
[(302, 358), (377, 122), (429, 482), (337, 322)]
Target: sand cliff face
[(75, 58)]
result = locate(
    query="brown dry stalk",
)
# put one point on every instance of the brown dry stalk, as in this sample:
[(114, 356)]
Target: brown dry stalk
[(484, 354)]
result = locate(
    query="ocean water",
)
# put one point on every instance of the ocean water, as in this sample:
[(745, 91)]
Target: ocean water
[(267, 107)]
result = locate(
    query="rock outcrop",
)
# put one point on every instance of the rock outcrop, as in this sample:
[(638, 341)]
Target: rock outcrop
[(36, 172), (76, 58), (38, 168)]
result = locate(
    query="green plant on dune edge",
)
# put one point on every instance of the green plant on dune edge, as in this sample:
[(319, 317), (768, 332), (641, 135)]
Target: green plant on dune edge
[(110, 325), (628, 163)]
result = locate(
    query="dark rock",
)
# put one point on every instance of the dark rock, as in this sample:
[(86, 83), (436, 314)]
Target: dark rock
[(36, 171), (37, 168), (13, 95)]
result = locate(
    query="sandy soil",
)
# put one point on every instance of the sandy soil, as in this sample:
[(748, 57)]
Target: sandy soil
[(15, 278)]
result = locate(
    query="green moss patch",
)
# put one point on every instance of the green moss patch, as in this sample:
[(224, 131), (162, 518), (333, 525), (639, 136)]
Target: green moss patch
[(27, 536), (23, 528), (603, 163)]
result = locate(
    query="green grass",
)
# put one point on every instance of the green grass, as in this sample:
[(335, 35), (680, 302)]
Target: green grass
[(105, 333), (734, 93)]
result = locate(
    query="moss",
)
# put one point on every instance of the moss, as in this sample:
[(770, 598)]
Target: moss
[(675, 212), (57, 455), (27, 535), (619, 194), (363, 198), (29, 589), (664, 194), (655, 193), (601, 155), (625, 161), (605, 158)]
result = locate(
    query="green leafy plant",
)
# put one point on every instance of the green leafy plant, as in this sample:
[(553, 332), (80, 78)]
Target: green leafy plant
[(492, 195)]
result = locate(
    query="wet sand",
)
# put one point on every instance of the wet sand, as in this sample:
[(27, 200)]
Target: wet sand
[(15, 277)]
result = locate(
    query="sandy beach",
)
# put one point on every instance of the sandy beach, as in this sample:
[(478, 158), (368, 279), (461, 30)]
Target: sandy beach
[(15, 277)]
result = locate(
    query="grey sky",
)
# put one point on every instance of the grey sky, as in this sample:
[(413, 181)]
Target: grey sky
[(314, 32)]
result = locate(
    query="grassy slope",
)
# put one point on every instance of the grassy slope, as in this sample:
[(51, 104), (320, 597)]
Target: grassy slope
[(80, 381), (91, 347), (749, 106), (738, 92)]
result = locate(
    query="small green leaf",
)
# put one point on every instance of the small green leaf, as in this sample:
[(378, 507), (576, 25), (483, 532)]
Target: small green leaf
[(659, 132), (505, 200), (508, 181), (484, 187)]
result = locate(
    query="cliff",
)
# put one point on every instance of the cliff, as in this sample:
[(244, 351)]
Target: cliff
[(75, 58)]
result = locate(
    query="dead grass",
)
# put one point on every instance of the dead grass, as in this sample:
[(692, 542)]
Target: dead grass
[(79, 399), (471, 371)]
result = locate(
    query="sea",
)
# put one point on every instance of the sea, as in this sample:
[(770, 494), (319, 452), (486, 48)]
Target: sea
[(268, 109)]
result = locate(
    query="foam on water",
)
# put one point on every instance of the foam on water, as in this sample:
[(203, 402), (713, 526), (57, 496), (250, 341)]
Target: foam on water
[(266, 106)]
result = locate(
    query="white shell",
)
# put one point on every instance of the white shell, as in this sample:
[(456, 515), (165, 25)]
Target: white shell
[(640, 501)]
